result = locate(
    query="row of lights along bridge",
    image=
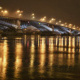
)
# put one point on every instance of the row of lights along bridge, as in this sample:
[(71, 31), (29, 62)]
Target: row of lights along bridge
[(19, 14)]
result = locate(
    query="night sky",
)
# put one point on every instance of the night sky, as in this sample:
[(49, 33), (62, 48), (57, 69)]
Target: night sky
[(65, 10)]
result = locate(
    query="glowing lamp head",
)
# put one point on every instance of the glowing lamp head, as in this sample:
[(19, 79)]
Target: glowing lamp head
[(5, 11), (32, 14), (33, 17), (18, 11), (2, 11), (21, 11), (0, 7), (56, 23), (53, 19), (60, 21), (50, 21), (20, 14), (45, 17)]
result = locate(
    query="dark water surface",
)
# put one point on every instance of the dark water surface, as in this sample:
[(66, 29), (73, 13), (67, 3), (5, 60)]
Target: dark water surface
[(36, 57)]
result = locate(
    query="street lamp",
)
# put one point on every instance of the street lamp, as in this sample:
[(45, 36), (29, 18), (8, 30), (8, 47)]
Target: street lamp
[(52, 20), (0, 7), (65, 24), (4, 12), (43, 19), (56, 23), (19, 13), (32, 16), (60, 22), (74, 27), (70, 25)]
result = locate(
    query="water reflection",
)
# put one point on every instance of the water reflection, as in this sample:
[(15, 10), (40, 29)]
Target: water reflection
[(18, 58), (40, 57), (3, 58), (32, 55)]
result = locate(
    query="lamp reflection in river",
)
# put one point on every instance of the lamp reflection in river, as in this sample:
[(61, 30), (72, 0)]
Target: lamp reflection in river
[(73, 42), (65, 41), (51, 46), (61, 44), (42, 55), (18, 60), (70, 41), (42, 45), (32, 56), (38, 40), (71, 58), (51, 59), (25, 39), (61, 41), (50, 63), (32, 52), (70, 44), (56, 41), (60, 59), (3, 59)]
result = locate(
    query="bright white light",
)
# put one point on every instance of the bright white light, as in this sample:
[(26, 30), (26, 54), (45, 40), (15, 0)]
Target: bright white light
[(32, 14), (0, 7), (44, 17), (60, 21), (5, 11), (33, 17), (18, 11)]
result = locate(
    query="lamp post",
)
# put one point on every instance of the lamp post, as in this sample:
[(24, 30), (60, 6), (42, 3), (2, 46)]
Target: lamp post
[(0, 10), (19, 13), (52, 20), (4, 12), (32, 16), (70, 25), (60, 22), (43, 19)]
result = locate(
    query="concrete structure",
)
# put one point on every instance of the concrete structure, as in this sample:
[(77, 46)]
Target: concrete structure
[(36, 25)]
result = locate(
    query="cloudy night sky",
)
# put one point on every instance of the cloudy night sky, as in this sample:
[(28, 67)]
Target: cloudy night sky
[(65, 10)]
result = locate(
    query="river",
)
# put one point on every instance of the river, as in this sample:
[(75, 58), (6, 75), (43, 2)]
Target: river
[(40, 57)]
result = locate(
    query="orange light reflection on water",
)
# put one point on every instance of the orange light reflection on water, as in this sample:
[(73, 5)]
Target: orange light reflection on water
[(3, 58), (18, 58)]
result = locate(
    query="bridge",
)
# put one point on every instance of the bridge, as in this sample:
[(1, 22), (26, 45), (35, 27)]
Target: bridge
[(16, 23)]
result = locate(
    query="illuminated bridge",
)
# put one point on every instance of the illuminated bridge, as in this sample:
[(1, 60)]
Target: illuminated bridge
[(6, 22)]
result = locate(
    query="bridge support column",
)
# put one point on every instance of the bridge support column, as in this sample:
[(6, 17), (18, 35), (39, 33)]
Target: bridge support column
[(18, 24), (53, 27)]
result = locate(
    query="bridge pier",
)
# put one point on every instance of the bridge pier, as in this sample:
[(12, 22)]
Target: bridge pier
[(18, 24)]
